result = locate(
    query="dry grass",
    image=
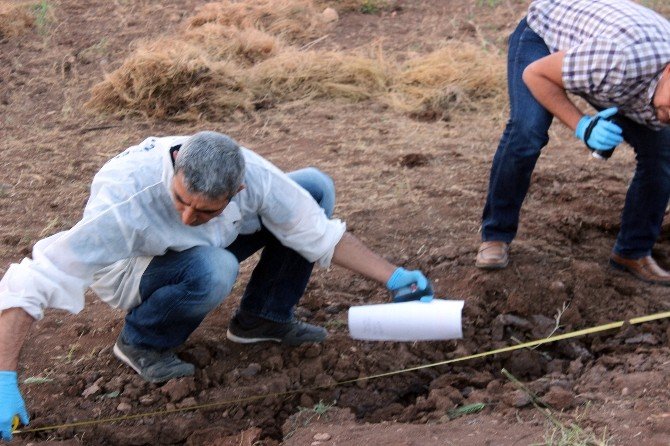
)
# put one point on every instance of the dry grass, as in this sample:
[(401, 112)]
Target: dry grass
[(245, 46), (456, 76), (365, 6), (15, 18), (293, 20), (172, 79), (214, 68), (297, 75)]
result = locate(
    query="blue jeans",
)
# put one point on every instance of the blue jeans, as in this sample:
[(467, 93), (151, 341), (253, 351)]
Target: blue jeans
[(526, 134), (178, 289)]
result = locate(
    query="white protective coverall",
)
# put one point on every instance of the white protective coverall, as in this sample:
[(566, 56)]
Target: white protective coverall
[(130, 217)]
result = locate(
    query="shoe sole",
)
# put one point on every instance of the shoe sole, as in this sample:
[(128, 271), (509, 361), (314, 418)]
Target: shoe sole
[(492, 266), (123, 358), (623, 268), (240, 340)]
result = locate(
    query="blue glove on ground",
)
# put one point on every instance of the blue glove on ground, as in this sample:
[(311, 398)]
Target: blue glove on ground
[(11, 404), (409, 285), (597, 132)]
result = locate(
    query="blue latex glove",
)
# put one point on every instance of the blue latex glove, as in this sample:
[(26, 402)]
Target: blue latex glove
[(597, 132), (11, 404), (409, 285)]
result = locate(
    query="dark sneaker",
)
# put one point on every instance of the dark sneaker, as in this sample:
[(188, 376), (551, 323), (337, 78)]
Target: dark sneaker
[(289, 333), (153, 366)]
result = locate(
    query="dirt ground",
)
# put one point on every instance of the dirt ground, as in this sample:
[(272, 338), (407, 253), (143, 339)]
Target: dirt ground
[(412, 190)]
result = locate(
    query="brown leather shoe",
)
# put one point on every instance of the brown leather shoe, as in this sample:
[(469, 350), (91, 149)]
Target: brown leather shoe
[(492, 255), (644, 268)]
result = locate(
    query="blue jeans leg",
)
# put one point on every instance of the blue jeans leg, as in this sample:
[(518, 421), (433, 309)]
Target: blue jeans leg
[(524, 137), (178, 289), (280, 278), (648, 192)]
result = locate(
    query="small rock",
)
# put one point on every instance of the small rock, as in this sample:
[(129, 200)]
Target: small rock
[(542, 325), (187, 402), (322, 437), (178, 389), (275, 362), (557, 285), (313, 351), (114, 385), (330, 15), (148, 400), (515, 321), (518, 398), (646, 338), (306, 400), (494, 386), (252, 370), (524, 363), (332, 309), (92, 390), (132, 392), (324, 380), (559, 398), (198, 355), (575, 367), (124, 407)]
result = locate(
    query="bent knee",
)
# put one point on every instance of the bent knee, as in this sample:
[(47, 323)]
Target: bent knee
[(531, 134), (215, 273), (319, 185)]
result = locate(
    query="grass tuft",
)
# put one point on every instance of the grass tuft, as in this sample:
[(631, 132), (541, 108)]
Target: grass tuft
[(15, 18), (560, 433)]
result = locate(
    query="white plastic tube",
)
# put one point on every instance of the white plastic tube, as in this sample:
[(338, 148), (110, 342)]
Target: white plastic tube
[(407, 321)]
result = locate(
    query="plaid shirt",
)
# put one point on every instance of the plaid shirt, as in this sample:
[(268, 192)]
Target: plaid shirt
[(615, 51)]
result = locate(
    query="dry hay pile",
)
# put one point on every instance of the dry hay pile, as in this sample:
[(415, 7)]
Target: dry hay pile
[(237, 56), (172, 79), (299, 75), (15, 18), (292, 20), (456, 76), (245, 46)]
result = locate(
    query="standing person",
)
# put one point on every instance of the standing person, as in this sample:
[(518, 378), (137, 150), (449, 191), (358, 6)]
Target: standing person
[(616, 55), (162, 235)]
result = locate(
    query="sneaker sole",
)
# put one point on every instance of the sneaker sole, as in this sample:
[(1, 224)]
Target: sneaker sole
[(124, 359), (240, 340)]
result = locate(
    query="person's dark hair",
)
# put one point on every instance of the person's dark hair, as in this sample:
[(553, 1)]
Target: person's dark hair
[(212, 165)]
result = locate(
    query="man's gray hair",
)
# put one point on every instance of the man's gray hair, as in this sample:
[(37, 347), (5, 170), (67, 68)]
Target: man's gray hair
[(212, 165)]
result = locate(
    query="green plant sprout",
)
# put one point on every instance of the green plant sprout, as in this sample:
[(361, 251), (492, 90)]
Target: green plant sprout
[(42, 12), (561, 434)]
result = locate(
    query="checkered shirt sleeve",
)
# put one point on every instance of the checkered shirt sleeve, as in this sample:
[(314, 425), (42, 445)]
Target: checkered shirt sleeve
[(615, 51)]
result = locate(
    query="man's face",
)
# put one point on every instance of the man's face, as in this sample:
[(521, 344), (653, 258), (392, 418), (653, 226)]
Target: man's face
[(662, 97), (195, 209)]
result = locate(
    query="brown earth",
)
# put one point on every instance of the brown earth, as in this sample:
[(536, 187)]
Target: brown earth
[(413, 190)]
